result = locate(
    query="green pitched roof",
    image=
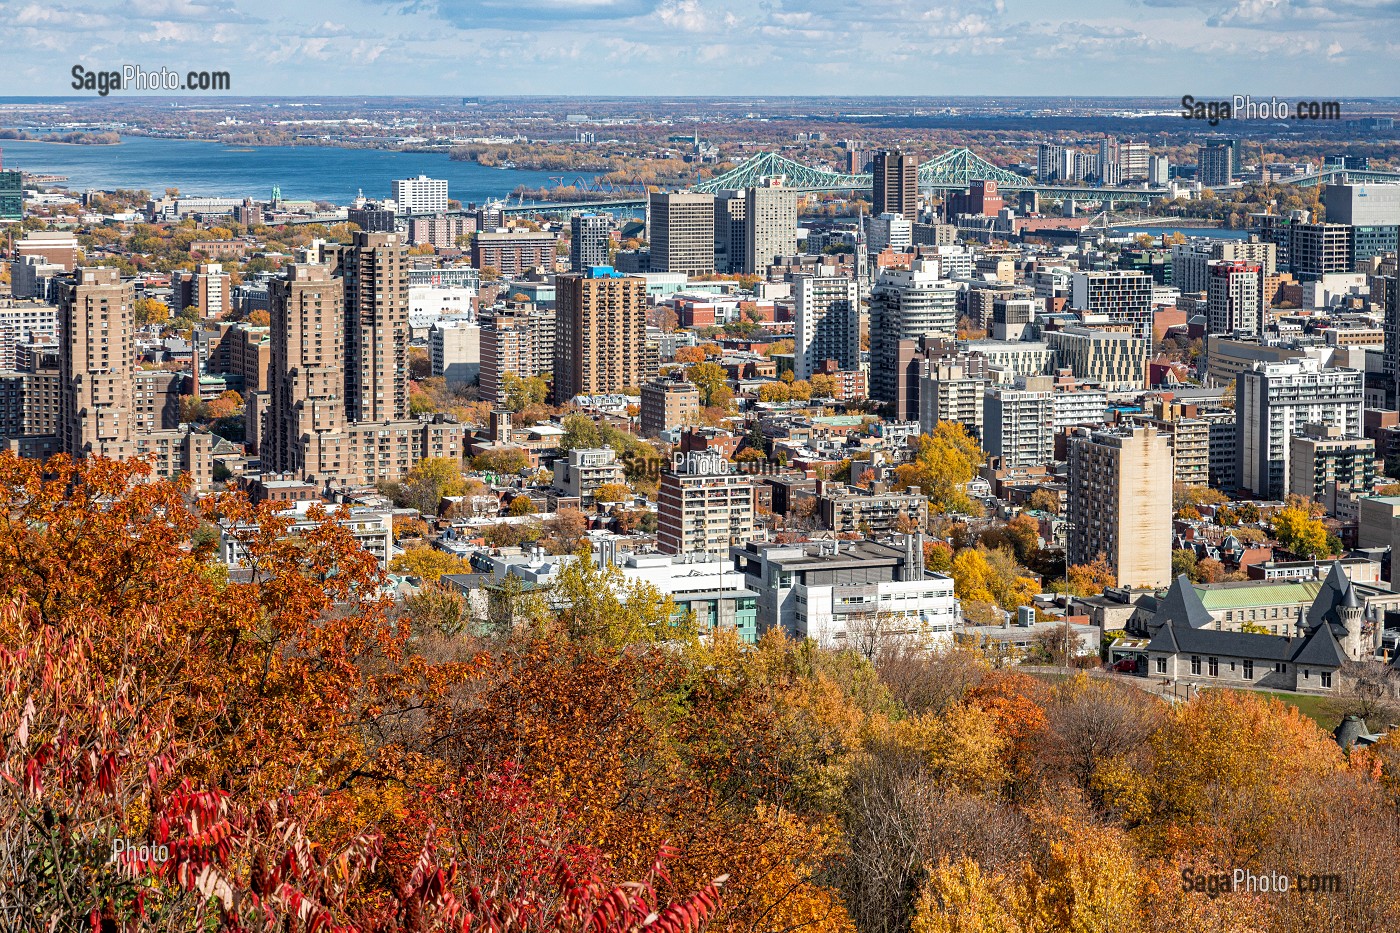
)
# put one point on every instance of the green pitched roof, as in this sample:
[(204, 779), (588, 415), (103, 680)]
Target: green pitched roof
[(1251, 595)]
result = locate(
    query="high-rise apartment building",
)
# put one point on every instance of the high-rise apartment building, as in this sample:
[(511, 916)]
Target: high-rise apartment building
[(682, 232), (336, 409), (1233, 301), (1329, 468), (31, 405), (1135, 158), (906, 305), (454, 350), (441, 231), (770, 226), (1019, 422), (374, 217), (1216, 163), (668, 403), (1272, 403), (1158, 170), (374, 274), (1385, 292), (512, 252), (1123, 297), (206, 288), (1115, 359), (1120, 503), (896, 184), (95, 323), (953, 390), (600, 342), (1122, 160), (308, 361), (1188, 434), (24, 322), (827, 323), (731, 234), (1049, 157), (589, 238), (421, 195), (703, 506), (517, 341), (1189, 260), (105, 407)]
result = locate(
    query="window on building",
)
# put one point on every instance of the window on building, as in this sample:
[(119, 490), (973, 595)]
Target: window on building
[(1161, 665), (1195, 664), (1326, 679), (1214, 667), (1248, 670)]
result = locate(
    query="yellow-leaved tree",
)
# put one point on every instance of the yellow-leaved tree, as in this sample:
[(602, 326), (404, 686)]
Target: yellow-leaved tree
[(945, 461), (1301, 533)]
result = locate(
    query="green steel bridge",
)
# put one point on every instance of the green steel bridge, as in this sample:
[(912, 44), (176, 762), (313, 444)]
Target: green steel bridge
[(954, 170), (1355, 176)]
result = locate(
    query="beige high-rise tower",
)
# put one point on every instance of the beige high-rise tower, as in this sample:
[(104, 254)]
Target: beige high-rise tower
[(1120, 503), (374, 268), (600, 334), (682, 227), (95, 319), (307, 404), (770, 225)]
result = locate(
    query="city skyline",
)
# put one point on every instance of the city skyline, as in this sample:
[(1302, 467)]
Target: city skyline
[(717, 47)]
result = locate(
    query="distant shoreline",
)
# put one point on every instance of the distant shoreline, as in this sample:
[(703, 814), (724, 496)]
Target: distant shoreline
[(52, 142)]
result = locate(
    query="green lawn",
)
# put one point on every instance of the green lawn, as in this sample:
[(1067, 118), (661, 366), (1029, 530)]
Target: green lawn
[(1325, 711)]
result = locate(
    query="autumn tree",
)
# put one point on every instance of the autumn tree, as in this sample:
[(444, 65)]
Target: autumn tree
[(1045, 501), (774, 392), (520, 393), (565, 530), (431, 479), (1301, 534), (824, 386), (710, 379), (944, 463), (504, 460), (986, 576), (1209, 787), (151, 311), (227, 404), (612, 492), (1090, 579), (407, 527), (428, 563)]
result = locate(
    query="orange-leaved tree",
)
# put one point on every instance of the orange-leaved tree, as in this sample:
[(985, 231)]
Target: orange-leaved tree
[(267, 733)]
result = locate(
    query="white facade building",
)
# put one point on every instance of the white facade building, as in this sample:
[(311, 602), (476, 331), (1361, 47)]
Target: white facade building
[(421, 195), (828, 323)]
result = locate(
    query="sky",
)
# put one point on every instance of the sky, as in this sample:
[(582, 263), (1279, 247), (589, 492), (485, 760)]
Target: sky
[(1292, 49)]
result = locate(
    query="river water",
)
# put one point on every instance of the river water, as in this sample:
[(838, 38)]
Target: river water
[(302, 172)]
